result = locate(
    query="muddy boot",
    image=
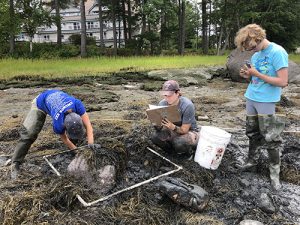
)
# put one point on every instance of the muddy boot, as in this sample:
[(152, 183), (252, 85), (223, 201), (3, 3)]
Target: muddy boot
[(15, 169), (274, 176), (271, 127), (29, 131), (274, 151), (255, 141)]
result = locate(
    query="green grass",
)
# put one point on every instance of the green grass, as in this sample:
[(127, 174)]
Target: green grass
[(97, 66), (295, 58)]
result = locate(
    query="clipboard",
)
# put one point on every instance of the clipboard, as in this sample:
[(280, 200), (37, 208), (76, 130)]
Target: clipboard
[(157, 113)]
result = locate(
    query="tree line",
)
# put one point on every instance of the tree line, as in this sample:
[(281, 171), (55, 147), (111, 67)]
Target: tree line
[(155, 26)]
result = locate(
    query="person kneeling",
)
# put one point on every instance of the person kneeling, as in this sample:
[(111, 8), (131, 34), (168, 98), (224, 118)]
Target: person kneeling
[(179, 137)]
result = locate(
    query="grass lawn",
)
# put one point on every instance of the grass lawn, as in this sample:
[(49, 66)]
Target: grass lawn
[(295, 58), (97, 66)]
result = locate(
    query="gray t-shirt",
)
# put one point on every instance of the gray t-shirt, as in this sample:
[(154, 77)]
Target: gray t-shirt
[(187, 112)]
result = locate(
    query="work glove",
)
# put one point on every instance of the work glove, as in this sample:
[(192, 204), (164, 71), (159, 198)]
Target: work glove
[(94, 147)]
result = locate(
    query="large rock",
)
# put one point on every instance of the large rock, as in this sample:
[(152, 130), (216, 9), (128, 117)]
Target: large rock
[(294, 72), (236, 60)]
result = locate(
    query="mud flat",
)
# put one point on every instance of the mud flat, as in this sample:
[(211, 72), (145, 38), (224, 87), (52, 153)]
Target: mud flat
[(116, 105)]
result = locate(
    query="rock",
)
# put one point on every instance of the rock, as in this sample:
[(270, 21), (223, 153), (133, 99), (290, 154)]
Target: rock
[(79, 164), (294, 72), (244, 182), (266, 204), (4, 160), (203, 118), (191, 196), (131, 87), (250, 222), (107, 177), (236, 60), (186, 73)]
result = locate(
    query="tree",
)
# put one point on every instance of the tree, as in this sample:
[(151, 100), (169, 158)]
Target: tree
[(181, 21), (204, 27), (33, 15), (83, 52), (4, 23), (100, 13), (12, 25), (113, 10), (58, 5)]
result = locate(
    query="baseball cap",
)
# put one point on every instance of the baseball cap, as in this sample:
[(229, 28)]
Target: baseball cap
[(169, 87), (74, 126)]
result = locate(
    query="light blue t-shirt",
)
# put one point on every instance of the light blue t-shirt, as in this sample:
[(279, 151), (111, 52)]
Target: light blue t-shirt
[(56, 103), (267, 61), (187, 112)]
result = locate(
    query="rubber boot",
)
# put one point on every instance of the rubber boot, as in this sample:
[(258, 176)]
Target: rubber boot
[(271, 127), (255, 141), (15, 169), (29, 131)]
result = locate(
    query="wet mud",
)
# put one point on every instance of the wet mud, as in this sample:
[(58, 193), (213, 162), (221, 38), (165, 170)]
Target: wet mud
[(116, 105)]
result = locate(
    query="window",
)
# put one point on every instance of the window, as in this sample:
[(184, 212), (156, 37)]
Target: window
[(62, 36), (104, 33), (76, 26), (90, 25), (46, 38), (89, 34)]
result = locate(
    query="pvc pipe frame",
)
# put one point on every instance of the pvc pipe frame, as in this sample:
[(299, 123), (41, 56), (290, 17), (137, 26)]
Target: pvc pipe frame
[(87, 204)]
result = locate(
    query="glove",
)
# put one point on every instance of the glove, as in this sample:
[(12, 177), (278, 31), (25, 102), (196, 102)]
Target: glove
[(94, 147)]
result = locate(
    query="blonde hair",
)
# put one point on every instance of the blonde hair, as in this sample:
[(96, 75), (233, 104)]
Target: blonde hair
[(248, 35)]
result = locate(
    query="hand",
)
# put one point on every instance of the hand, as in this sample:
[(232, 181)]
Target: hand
[(94, 147), (168, 124), (244, 72)]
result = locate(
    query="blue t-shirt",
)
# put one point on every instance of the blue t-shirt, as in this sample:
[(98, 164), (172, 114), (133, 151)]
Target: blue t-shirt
[(187, 112), (267, 61), (55, 103)]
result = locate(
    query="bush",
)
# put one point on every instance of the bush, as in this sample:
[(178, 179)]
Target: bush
[(75, 39)]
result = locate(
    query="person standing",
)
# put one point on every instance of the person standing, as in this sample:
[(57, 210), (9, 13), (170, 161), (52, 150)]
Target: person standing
[(268, 74), (69, 118), (179, 137)]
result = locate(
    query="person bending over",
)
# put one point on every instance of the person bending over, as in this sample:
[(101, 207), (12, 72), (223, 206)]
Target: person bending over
[(69, 118)]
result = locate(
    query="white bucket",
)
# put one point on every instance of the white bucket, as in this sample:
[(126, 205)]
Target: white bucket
[(211, 147)]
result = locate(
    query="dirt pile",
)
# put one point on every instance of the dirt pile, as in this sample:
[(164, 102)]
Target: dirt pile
[(120, 124)]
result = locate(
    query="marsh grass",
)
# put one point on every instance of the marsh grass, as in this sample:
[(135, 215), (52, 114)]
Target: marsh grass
[(295, 58), (97, 66)]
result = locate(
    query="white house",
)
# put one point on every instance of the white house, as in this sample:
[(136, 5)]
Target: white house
[(70, 24)]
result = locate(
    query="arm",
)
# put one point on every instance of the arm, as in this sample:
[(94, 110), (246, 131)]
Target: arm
[(281, 80), (67, 141), (89, 129), (183, 129)]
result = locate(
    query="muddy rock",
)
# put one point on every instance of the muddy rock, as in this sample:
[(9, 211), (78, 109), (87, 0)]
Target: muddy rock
[(250, 222), (191, 196), (107, 176), (265, 203)]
